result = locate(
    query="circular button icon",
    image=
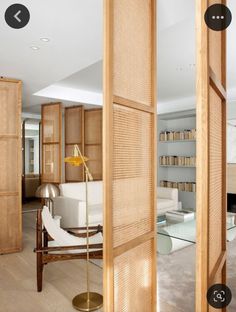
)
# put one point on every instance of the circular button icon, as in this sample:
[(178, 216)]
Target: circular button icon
[(17, 16), (218, 17), (219, 296)]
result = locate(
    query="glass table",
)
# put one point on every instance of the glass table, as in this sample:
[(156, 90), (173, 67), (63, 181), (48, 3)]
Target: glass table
[(175, 235)]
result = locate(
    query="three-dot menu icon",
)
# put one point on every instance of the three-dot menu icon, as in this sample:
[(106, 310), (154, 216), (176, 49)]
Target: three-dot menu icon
[(218, 17)]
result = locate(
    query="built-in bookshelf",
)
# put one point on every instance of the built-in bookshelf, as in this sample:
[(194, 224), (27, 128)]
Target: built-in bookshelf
[(177, 156)]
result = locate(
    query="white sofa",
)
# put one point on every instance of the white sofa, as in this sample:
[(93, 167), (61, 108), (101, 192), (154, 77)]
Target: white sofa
[(167, 199), (71, 204)]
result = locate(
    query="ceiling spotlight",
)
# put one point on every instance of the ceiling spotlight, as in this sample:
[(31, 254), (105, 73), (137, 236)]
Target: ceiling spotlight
[(35, 48), (45, 39)]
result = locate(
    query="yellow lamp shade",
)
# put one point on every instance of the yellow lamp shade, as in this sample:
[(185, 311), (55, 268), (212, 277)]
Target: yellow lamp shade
[(76, 160)]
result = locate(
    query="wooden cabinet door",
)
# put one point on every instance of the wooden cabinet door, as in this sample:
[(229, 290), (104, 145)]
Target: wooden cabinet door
[(129, 156), (211, 157), (10, 166)]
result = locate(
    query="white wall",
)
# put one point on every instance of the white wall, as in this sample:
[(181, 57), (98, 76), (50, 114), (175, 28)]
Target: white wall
[(36, 155)]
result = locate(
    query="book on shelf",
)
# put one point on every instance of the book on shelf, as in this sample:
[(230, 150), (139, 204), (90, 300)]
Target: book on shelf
[(180, 215), (185, 161), (181, 186), (173, 135)]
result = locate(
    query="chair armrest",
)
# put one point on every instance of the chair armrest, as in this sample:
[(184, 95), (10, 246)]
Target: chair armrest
[(92, 232)]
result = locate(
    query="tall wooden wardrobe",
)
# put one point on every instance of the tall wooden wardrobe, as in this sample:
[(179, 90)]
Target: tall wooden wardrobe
[(10, 166)]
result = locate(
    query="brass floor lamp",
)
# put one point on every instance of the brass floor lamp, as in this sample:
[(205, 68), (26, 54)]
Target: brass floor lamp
[(88, 301)]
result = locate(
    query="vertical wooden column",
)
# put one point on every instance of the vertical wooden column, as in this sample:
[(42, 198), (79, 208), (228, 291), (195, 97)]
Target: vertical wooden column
[(129, 156), (93, 141), (51, 143), (74, 134), (10, 166), (211, 157)]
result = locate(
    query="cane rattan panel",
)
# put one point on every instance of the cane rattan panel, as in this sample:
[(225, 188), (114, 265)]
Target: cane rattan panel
[(94, 153), (74, 134), (74, 125), (51, 143), (10, 166), (132, 34), (8, 116), (51, 163), (215, 179), (93, 127), (132, 174), (51, 123), (215, 44), (73, 174), (93, 141), (10, 229), (132, 277)]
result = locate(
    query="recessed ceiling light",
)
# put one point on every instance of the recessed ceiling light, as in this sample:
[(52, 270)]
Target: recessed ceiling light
[(35, 48), (45, 39)]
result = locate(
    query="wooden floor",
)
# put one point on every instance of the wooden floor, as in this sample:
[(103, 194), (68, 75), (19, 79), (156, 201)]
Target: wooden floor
[(62, 280)]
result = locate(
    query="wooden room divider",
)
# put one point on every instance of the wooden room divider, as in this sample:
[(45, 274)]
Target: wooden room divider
[(10, 166), (211, 157), (84, 128), (51, 143), (129, 156)]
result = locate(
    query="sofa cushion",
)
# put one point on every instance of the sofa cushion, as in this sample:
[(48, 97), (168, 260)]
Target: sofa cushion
[(163, 203)]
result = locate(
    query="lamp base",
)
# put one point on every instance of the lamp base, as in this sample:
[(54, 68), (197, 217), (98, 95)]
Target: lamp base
[(81, 302)]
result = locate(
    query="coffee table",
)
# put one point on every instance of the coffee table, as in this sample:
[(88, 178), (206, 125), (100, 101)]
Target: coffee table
[(174, 235)]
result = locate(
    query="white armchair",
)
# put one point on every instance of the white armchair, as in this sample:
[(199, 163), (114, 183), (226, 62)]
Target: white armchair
[(167, 199)]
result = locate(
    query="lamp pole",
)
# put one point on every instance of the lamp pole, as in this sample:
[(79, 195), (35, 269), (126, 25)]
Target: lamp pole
[(88, 301)]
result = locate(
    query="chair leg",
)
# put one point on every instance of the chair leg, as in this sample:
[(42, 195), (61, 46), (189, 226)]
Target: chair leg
[(39, 272), (39, 255)]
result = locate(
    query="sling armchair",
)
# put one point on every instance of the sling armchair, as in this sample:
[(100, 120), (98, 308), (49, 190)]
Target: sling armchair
[(56, 244)]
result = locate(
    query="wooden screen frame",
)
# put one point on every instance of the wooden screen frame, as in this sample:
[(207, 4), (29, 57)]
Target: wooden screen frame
[(109, 98), (59, 142), (206, 79), (79, 107), (18, 246)]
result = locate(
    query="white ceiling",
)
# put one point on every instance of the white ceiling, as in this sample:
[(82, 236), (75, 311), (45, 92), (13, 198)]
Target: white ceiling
[(69, 67), (75, 31)]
